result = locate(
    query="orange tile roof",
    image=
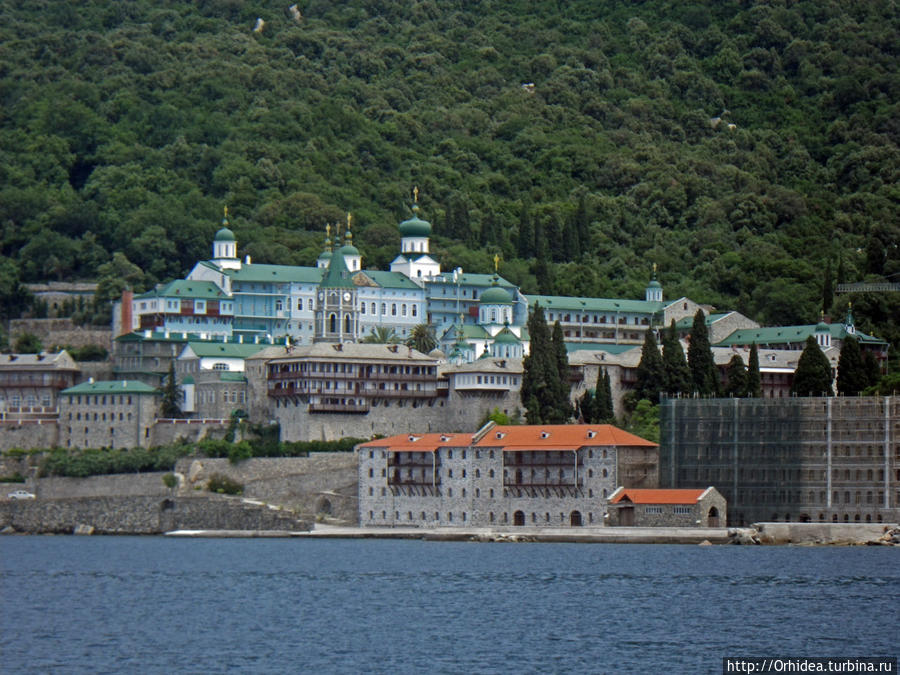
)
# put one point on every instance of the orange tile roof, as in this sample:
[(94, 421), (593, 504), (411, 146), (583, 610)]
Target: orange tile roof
[(517, 438), (420, 442), (559, 437), (648, 496)]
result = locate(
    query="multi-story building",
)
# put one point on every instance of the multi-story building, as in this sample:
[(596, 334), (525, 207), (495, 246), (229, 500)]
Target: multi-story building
[(542, 476), (111, 414), (790, 459), (30, 383)]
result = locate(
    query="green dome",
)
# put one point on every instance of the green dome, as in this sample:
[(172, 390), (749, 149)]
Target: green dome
[(654, 284), (325, 255), (348, 249), (224, 235), (415, 226), (495, 296), (822, 327)]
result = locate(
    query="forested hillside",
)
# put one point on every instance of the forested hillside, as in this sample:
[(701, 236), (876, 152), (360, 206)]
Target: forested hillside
[(747, 148)]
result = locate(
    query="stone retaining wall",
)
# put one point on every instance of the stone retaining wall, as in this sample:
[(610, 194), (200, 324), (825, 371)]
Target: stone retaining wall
[(61, 332), (143, 515), (323, 484), (28, 434)]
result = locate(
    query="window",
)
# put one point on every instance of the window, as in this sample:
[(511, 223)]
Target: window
[(394, 309), (300, 305)]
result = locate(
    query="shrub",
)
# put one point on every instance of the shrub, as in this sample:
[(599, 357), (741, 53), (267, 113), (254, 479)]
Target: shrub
[(224, 485), (15, 478), (170, 480)]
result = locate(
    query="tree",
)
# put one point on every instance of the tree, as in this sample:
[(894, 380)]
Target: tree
[(704, 378), (675, 366), (605, 407), (873, 370), (651, 375), (852, 377), (382, 335), (827, 289), (422, 338), (171, 395), (737, 378), (813, 374), (27, 343), (544, 392), (754, 381), (644, 421), (586, 409)]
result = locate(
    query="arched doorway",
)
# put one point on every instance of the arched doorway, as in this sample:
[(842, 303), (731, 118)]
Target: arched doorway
[(575, 519), (804, 518), (324, 507), (519, 518), (712, 518)]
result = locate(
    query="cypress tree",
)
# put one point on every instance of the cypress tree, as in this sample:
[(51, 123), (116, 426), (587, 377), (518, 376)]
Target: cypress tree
[(827, 289), (525, 243), (545, 380), (704, 379), (587, 408), (852, 377), (737, 378), (678, 375), (560, 404), (170, 395), (607, 410), (813, 374), (873, 370), (651, 375), (754, 381)]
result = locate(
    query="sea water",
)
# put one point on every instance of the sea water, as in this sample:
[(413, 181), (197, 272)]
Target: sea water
[(163, 605)]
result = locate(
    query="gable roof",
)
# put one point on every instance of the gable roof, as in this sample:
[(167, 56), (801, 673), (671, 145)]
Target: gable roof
[(185, 288), (43, 361), (390, 279), (651, 496), (228, 350), (419, 442)]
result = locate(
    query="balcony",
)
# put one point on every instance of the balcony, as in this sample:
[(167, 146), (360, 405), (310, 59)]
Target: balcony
[(359, 408)]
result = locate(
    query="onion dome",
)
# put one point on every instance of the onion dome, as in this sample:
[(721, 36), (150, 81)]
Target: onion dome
[(224, 234), (415, 226), (496, 295), (822, 327)]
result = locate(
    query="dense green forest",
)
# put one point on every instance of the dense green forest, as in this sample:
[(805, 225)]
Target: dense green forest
[(748, 148)]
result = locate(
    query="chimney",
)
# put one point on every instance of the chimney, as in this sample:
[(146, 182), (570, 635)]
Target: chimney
[(127, 311)]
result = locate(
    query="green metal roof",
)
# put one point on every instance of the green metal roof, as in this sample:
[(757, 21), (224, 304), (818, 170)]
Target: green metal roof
[(337, 275), (111, 387), (496, 295), (225, 376), (506, 336), (391, 280), (155, 336), (185, 288), (470, 279), (791, 334), (562, 303), (231, 350), (276, 273), (597, 347), (415, 226)]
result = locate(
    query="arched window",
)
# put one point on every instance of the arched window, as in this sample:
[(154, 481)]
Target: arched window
[(332, 323)]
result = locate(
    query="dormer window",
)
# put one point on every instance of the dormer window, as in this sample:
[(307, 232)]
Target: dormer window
[(545, 434), (591, 434), (500, 434)]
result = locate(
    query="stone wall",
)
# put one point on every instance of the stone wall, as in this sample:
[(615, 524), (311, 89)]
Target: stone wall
[(28, 434), (323, 484), (143, 515), (61, 332), (191, 431)]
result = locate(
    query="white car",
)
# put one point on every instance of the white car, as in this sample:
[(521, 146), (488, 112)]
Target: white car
[(20, 494)]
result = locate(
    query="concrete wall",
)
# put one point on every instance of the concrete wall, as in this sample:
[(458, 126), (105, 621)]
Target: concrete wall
[(143, 515)]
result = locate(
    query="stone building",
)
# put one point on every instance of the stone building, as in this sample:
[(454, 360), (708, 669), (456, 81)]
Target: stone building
[(30, 383), (113, 414), (540, 476), (790, 459), (667, 508)]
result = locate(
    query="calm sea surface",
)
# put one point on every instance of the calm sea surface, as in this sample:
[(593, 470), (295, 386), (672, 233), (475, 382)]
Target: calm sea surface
[(159, 605)]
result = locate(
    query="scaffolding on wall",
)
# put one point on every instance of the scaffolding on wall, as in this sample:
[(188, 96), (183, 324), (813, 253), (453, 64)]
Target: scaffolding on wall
[(802, 459)]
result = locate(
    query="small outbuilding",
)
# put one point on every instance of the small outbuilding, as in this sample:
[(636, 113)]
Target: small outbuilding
[(667, 508)]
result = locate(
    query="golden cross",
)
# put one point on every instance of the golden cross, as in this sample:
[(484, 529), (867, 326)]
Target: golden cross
[(348, 221), (496, 261), (416, 194)]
